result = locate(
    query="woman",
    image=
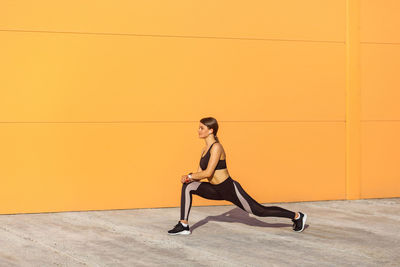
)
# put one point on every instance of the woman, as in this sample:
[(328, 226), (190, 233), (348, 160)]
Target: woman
[(221, 186)]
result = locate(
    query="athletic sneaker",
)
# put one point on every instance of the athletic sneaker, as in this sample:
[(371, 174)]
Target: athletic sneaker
[(179, 229), (298, 225)]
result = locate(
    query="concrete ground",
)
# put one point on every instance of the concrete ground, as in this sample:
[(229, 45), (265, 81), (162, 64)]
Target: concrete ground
[(338, 233)]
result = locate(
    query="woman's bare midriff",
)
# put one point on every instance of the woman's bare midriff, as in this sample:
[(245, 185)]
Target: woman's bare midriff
[(219, 176)]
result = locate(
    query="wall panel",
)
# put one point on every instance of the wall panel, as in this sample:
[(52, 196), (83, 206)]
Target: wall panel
[(380, 159), (380, 21), (380, 81), (67, 77), (89, 166), (286, 19)]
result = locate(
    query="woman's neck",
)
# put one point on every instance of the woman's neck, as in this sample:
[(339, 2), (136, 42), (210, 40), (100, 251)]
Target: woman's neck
[(210, 140)]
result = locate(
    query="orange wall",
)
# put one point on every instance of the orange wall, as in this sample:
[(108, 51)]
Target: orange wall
[(100, 101), (380, 109)]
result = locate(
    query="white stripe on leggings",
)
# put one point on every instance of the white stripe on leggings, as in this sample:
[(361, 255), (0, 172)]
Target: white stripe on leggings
[(242, 200), (189, 187)]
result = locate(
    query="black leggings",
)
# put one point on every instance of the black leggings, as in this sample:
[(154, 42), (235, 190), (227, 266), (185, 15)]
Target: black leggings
[(229, 190)]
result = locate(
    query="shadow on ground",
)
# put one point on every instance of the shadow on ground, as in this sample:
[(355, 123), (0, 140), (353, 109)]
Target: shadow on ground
[(237, 215)]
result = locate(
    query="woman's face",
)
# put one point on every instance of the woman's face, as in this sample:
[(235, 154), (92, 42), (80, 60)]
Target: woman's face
[(203, 130)]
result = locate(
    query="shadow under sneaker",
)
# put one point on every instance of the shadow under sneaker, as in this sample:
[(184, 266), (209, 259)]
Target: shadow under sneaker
[(179, 229), (298, 225)]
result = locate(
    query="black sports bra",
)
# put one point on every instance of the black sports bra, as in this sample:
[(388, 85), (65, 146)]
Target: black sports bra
[(204, 161)]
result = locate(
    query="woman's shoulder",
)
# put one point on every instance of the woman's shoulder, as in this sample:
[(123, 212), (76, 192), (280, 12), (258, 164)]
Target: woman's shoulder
[(217, 146)]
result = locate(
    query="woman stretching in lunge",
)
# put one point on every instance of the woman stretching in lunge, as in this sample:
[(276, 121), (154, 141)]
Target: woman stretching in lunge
[(221, 186)]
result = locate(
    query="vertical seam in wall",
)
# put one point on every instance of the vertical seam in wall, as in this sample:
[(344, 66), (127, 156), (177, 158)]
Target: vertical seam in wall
[(346, 96)]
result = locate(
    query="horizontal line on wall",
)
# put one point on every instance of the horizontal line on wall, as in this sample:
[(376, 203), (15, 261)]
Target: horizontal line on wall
[(379, 43), (175, 36), (151, 121)]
